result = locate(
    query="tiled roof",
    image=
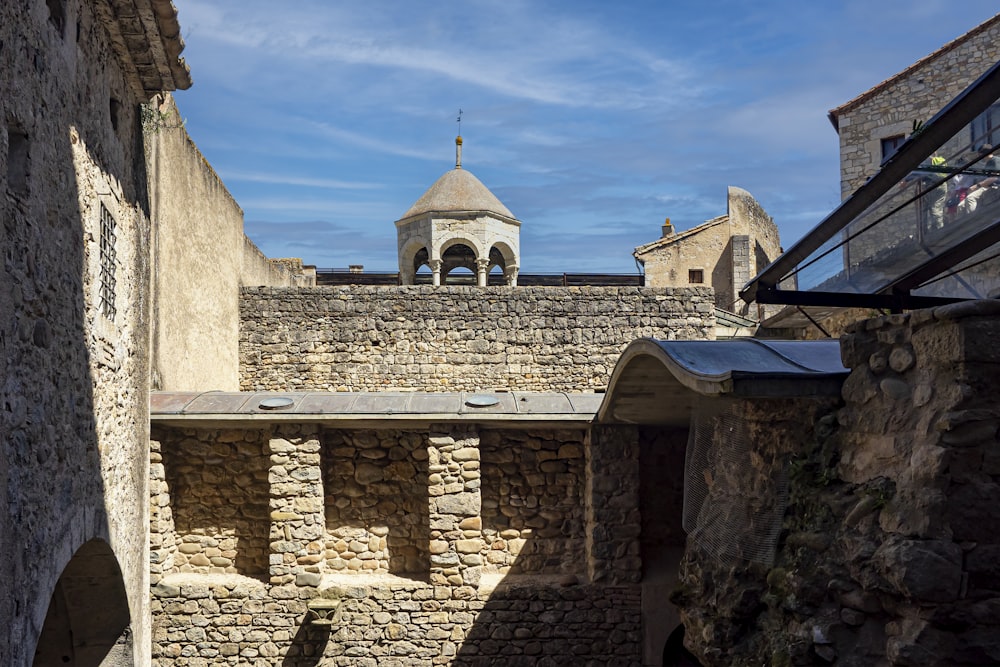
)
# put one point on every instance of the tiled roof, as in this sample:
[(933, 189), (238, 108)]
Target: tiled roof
[(147, 38), (674, 238), (458, 191), (950, 46)]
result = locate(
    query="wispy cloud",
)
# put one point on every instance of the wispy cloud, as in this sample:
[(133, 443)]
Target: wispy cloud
[(304, 181), (590, 120)]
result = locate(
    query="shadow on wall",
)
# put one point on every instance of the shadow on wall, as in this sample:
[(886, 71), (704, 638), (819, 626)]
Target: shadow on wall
[(377, 518), (219, 496), (532, 502), (87, 622), (51, 479), (546, 610)]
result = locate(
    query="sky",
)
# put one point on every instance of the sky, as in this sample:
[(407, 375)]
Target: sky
[(591, 120)]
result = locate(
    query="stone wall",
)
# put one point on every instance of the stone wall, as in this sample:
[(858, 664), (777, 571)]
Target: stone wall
[(455, 338), (448, 545), (912, 96), (889, 543), (201, 258), (74, 295)]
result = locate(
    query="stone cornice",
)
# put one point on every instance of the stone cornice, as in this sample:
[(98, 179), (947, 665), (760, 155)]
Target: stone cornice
[(146, 37)]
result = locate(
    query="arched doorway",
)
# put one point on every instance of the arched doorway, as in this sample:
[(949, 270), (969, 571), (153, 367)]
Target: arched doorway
[(88, 620)]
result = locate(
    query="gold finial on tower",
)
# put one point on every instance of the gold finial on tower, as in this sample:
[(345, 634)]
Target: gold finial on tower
[(458, 143)]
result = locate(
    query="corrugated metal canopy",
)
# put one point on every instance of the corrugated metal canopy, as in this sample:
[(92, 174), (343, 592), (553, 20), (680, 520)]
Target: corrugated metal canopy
[(660, 382)]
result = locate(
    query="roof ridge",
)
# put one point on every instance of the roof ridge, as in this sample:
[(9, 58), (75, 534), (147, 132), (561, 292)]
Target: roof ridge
[(950, 46)]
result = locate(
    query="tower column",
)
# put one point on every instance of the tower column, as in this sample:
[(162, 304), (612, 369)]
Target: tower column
[(511, 276), (435, 265), (481, 266)]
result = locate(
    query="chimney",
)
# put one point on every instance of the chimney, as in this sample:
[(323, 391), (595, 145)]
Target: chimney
[(667, 229)]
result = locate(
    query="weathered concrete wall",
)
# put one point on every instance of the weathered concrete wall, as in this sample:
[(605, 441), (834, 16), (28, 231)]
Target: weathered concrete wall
[(729, 251), (890, 541), (915, 96), (201, 258), (455, 338), (73, 339), (448, 546)]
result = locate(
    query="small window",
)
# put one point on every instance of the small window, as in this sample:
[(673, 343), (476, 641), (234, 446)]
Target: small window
[(890, 145), (696, 276), (17, 161), (57, 14), (109, 258), (115, 110)]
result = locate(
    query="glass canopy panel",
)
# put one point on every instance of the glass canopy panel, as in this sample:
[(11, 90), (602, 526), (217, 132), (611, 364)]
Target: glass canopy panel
[(951, 199)]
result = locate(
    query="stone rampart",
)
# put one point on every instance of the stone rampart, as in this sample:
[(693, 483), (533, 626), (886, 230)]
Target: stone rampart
[(363, 338), (441, 545)]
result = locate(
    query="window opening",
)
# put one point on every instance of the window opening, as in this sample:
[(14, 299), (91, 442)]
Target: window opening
[(108, 260), (115, 108), (985, 128), (17, 161), (696, 276), (890, 145), (57, 14)]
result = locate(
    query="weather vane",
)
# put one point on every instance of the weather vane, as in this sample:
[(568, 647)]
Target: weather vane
[(459, 122)]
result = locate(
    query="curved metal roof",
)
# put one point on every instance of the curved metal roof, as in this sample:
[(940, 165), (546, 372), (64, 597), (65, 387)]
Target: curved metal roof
[(659, 382)]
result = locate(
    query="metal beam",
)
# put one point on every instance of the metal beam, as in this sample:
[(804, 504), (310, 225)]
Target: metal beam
[(943, 261), (849, 299), (918, 147)]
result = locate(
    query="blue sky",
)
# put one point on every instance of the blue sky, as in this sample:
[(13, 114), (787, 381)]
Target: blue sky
[(592, 121)]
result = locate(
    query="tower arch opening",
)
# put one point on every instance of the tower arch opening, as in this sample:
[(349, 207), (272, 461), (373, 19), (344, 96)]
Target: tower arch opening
[(458, 264)]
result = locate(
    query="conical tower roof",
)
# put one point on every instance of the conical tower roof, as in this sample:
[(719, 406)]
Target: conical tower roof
[(458, 191)]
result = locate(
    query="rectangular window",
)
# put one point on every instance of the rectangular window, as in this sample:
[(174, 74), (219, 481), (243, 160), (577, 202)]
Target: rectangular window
[(109, 259), (57, 14), (696, 276), (890, 145), (17, 161), (986, 128)]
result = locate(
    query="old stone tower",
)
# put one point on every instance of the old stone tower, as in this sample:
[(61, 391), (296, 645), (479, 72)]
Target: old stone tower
[(458, 223)]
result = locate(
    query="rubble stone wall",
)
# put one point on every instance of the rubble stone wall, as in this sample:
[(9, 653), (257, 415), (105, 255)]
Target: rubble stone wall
[(453, 545), (363, 338), (74, 294), (890, 540)]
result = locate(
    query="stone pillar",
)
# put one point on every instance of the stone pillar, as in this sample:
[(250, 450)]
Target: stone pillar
[(162, 538), (455, 508), (435, 265), (296, 505), (612, 512), (481, 267), (511, 276)]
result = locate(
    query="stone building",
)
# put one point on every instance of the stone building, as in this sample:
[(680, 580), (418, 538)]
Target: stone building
[(458, 223), (92, 158), (722, 253), (872, 125), (75, 295)]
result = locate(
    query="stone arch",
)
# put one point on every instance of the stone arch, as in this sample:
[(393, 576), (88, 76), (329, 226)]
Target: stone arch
[(472, 243), (458, 255), (502, 255), (88, 622), (414, 255)]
